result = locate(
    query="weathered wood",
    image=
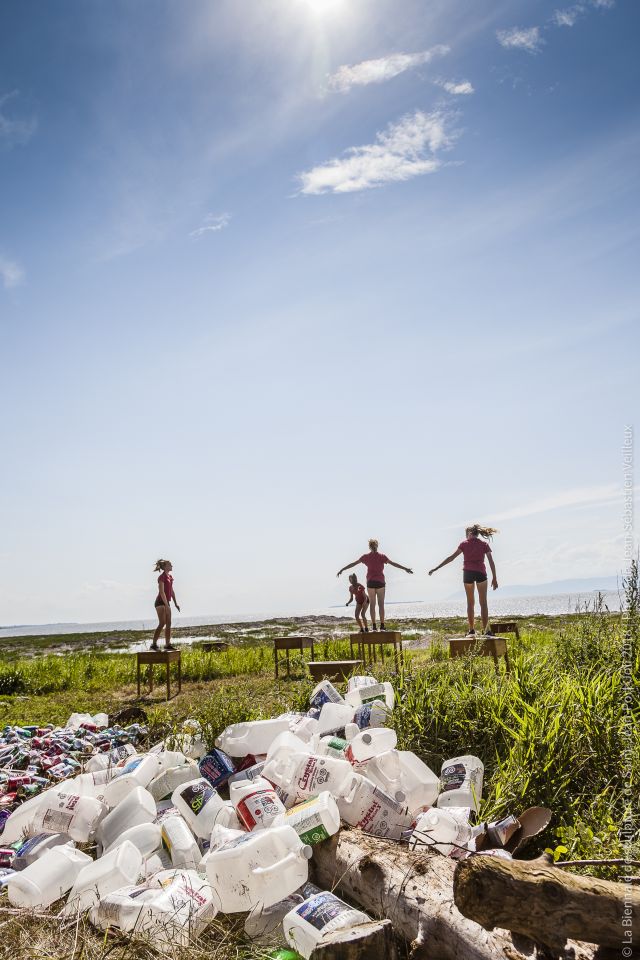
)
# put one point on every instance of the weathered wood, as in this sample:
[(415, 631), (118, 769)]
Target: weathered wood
[(367, 941), (536, 899), (415, 891)]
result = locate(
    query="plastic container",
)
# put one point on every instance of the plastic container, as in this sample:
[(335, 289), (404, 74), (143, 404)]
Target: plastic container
[(47, 879), (263, 925), (334, 717), (313, 820), (170, 758), (113, 870), (216, 767), (306, 924), (249, 773), (358, 683), (440, 829), (461, 781), (180, 843), (67, 813), (373, 811), (379, 691), (260, 867), (406, 777), (370, 743), (137, 772), (256, 803), (330, 747), (307, 774), (166, 782), (255, 736), (200, 804), (301, 725), (19, 821), (147, 837), (374, 714), (138, 807), (32, 849), (324, 692)]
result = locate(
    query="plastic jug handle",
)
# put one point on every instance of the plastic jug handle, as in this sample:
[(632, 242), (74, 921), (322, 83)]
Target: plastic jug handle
[(278, 865)]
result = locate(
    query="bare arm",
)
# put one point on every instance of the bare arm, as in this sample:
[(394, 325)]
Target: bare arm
[(175, 600), (494, 581), (445, 562), (399, 566), (348, 567)]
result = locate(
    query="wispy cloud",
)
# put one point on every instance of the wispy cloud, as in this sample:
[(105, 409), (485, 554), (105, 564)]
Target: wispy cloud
[(382, 69), (404, 150), (456, 88), (578, 496), (568, 15), (14, 131), (213, 223), (519, 38), (11, 273)]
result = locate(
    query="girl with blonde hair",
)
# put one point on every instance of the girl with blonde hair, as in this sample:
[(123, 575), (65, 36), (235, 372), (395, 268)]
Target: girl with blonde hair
[(474, 572), (375, 562), (166, 594)]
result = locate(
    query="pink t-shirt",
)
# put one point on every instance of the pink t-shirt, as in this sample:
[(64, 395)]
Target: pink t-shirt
[(167, 581), (474, 551), (374, 563)]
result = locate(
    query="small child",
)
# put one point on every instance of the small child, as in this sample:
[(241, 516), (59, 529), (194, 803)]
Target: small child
[(362, 602)]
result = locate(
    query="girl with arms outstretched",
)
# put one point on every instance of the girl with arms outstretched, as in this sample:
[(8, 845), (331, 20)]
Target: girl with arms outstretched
[(375, 562), (474, 572), (166, 594)]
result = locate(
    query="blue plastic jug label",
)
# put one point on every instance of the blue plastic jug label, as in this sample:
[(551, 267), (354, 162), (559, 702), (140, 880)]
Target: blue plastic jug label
[(322, 909)]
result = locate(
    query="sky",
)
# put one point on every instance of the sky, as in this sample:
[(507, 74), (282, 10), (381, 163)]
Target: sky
[(282, 275)]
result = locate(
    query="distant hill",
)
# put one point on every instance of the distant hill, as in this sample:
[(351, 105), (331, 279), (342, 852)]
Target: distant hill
[(584, 585)]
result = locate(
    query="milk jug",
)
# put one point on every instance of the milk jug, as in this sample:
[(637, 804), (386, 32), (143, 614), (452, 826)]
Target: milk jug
[(147, 837), (20, 820), (333, 717), (256, 803), (200, 805), (100, 877), (356, 683), (260, 867), (138, 807), (180, 843), (440, 829), (375, 714), (137, 772), (254, 736), (378, 691), (325, 692), (370, 743), (313, 820), (330, 747), (67, 813), (47, 879), (249, 773), (306, 924), (373, 811), (308, 774), (405, 776), (302, 725), (32, 849), (461, 781), (166, 782)]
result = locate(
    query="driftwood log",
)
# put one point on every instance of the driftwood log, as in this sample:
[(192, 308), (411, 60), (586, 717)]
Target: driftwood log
[(415, 891), (537, 899), (367, 941)]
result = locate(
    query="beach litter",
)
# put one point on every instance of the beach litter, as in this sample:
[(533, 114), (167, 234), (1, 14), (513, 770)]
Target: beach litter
[(154, 843)]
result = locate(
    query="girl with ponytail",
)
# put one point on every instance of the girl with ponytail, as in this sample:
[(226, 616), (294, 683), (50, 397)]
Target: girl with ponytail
[(474, 572), (166, 594)]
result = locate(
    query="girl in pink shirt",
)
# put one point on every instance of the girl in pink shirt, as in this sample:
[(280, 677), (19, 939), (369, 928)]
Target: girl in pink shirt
[(374, 562), (166, 594), (474, 572)]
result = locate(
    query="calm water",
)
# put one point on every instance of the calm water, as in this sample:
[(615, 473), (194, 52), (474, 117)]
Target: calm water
[(517, 606)]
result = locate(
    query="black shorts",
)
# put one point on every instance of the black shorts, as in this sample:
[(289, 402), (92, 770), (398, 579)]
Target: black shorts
[(473, 576), (376, 584), (160, 602)]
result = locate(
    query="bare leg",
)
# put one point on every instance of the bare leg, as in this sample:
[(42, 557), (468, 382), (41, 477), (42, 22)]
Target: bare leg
[(358, 620), (470, 604), (484, 607), (364, 612), (380, 593), (372, 600), (167, 632), (161, 611)]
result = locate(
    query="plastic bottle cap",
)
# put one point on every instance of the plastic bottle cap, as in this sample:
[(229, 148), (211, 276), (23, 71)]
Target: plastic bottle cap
[(306, 852), (400, 796), (367, 738)]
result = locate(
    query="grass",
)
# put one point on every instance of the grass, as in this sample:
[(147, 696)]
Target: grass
[(553, 732)]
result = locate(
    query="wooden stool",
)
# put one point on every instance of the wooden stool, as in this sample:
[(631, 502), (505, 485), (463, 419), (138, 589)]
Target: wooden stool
[(291, 643), (487, 646), (375, 640), (167, 657), (214, 646), (506, 626), (333, 669)]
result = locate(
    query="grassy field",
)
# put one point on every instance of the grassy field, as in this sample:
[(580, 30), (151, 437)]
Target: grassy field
[(553, 732)]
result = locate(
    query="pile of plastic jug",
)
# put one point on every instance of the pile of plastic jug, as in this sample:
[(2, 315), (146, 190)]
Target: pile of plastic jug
[(175, 835)]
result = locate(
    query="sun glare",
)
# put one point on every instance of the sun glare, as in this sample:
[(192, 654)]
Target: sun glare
[(322, 7)]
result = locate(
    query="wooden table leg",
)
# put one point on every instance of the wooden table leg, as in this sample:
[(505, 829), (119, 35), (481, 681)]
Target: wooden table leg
[(180, 675), (313, 653), (150, 678), (275, 657), (168, 680), (288, 665), (495, 659), (138, 679)]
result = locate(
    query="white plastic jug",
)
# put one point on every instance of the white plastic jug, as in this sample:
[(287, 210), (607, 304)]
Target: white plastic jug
[(138, 807), (137, 772), (47, 879), (306, 924), (180, 843), (375, 714), (169, 758), (33, 848), (313, 820), (166, 782), (18, 823), (307, 774), (99, 761), (286, 742), (440, 829), (373, 811), (254, 736), (461, 780), (324, 692), (147, 837), (357, 683), (334, 717), (370, 743), (260, 867), (302, 725), (90, 784), (263, 925), (249, 773), (330, 747), (256, 803), (406, 777), (200, 805), (113, 870), (379, 691), (67, 813)]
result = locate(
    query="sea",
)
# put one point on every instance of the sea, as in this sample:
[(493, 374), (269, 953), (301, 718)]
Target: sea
[(551, 605)]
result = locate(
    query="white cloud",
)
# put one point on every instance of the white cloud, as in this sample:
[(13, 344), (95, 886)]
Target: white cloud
[(579, 496), (518, 38), (14, 132), (568, 16), (404, 150), (11, 273), (456, 88), (382, 69), (212, 224)]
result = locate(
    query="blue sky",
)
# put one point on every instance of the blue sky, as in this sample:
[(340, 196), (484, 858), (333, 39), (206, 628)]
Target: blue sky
[(282, 275)]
